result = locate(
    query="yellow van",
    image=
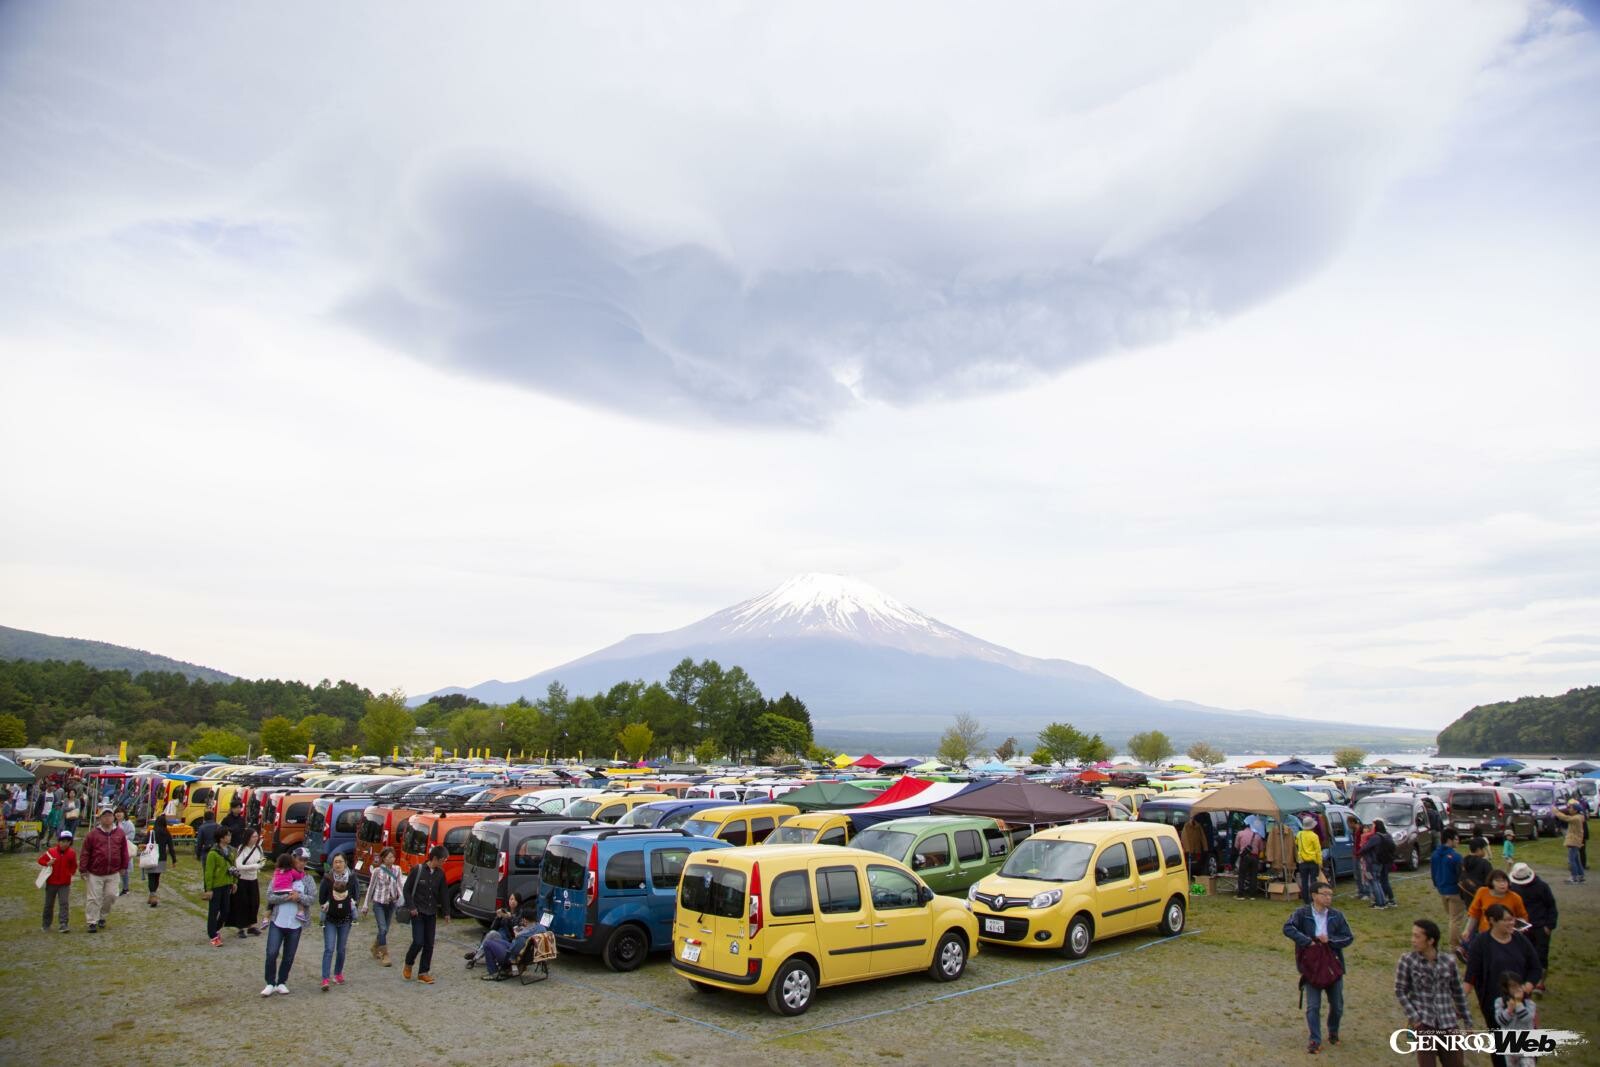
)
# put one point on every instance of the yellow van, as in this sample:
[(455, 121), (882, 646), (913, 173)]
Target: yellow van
[(786, 920), (740, 824), (813, 828), (1071, 886), (609, 807)]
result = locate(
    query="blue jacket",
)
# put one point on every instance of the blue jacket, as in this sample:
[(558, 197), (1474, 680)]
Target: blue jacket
[(1302, 930), (1446, 867)]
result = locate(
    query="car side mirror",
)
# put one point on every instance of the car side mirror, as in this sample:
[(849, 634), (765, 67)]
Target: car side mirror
[(924, 895)]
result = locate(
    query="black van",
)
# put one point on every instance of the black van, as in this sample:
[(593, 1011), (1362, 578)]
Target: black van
[(502, 857)]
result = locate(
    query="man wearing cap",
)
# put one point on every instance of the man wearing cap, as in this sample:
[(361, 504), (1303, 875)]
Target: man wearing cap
[(63, 864), (1540, 901), (105, 855), (1308, 857), (1574, 818)]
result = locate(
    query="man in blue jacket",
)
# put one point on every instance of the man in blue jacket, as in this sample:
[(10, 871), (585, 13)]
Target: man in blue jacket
[(1319, 922), (1446, 868)]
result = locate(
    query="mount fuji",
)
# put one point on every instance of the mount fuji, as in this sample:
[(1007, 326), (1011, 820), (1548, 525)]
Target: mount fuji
[(869, 666)]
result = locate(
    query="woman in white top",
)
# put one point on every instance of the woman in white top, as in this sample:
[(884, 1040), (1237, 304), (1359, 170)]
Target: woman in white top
[(172, 810), (245, 910)]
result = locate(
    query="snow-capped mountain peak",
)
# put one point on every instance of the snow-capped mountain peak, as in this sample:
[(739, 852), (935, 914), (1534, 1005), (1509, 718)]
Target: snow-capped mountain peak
[(825, 603)]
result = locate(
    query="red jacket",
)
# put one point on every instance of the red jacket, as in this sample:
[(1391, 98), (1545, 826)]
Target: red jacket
[(105, 852), (66, 864)]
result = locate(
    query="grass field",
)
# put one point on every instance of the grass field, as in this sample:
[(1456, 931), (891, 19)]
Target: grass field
[(150, 990)]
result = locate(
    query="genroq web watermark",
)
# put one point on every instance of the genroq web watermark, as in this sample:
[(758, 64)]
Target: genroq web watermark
[(1489, 1042)]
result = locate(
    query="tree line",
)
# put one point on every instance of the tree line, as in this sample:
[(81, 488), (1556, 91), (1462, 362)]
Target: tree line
[(1565, 725)]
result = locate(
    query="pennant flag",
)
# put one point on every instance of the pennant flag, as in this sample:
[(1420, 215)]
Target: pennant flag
[(311, 753), (69, 747), (172, 751), (122, 752), (396, 752), (437, 752)]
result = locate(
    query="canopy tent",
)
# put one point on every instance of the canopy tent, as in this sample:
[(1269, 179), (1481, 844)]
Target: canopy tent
[(1296, 766), (50, 766), (902, 788), (825, 796), (1259, 765), (11, 774), (1256, 797), (1184, 768), (1500, 761), (1383, 763), (993, 768), (658, 762), (1582, 767), (842, 760), (1019, 801), (213, 757), (37, 753), (931, 766), (914, 800), (1092, 775), (1593, 774), (869, 761)]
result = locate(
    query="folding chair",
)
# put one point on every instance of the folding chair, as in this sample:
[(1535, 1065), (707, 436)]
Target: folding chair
[(533, 964)]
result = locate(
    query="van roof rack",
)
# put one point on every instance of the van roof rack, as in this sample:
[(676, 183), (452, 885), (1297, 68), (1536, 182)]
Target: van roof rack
[(601, 834)]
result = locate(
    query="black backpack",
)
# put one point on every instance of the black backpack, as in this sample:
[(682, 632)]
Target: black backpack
[(1385, 849)]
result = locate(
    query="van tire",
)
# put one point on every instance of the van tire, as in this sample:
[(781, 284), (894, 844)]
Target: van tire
[(452, 902), (626, 948), (1080, 935), (1415, 859), (1173, 918), (949, 958), (793, 988)]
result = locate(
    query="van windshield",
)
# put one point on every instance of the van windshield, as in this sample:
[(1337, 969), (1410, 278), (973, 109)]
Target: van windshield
[(564, 867), (1394, 813), (792, 835), (891, 843), (1537, 794), (673, 820), (712, 891), (701, 827), (644, 815), (1049, 861)]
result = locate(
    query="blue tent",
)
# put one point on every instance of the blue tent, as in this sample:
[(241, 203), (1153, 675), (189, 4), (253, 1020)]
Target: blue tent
[(1296, 766), (1593, 774), (1500, 761), (992, 768)]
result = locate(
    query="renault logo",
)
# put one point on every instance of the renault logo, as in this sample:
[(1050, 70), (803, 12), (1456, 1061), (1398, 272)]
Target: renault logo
[(1000, 902)]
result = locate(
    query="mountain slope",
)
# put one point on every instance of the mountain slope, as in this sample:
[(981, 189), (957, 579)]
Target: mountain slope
[(861, 659), (25, 644), (1565, 725)]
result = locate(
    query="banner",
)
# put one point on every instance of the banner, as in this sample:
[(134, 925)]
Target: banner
[(311, 753), (396, 752), (122, 752), (69, 748), (437, 752), (172, 751), (452, 753)]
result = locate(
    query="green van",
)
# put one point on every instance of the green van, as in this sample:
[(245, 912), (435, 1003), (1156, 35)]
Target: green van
[(949, 852)]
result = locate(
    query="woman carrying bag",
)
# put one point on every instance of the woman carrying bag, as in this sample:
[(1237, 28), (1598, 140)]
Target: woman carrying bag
[(158, 852), (218, 882), (338, 896), (384, 890), (245, 909)]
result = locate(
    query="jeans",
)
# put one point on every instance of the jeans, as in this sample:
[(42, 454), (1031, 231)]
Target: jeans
[(1335, 994), (496, 949), (217, 909), (384, 914), (334, 936), (125, 879), (422, 930), (57, 896), (1309, 873), (1383, 884), (288, 941), (1363, 880), (1574, 863)]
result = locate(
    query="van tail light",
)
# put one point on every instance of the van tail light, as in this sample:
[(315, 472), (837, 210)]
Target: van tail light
[(592, 884), (504, 866), (755, 899)]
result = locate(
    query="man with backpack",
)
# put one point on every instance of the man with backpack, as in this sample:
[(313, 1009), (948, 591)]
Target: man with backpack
[(1320, 934), (1445, 869)]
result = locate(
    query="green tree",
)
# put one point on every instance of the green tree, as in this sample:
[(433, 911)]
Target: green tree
[(219, 742), (1349, 757), (1206, 754), (1094, 749), (1150, 747), (818, 754), (636, 739), (13, 731), (964, 738), (1060, 742), (281, 738), (708, 751), (88, 730), (779, 733), (325, 731), (1006, 749), (387, 723)]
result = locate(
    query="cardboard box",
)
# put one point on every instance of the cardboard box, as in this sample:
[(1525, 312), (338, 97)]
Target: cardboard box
[(1282, 890), (1209, 881)]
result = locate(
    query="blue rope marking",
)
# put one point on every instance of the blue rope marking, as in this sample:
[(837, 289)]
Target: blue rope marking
[(983, 988)]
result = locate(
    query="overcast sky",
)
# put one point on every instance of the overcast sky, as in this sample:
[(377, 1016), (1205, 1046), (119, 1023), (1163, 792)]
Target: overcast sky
[(1244, 352)]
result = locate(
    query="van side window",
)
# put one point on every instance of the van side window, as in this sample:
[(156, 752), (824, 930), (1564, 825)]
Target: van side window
[(1144, 855), (1112, 866), (1171, 853), (834, 836), (529, 853), (892, 888), (999, 845), (791, 895), (838, 890), (931, 851), (666, 866), (456, 840), (347, 822), (625, 870), (735, 833), (761, 827), (611, 814), (969, 846)]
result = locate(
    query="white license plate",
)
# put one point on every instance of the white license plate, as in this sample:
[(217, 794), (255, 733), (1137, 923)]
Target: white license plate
[(359, 863), (466, 894), (691, 953), (546, 919), (994, 926)]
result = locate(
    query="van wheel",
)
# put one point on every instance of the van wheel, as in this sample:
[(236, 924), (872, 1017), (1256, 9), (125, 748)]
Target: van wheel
[(1080, 935), (1415, 859), (793, 988), (949, 958), (625, 948), (452, 902), (1172, 921)]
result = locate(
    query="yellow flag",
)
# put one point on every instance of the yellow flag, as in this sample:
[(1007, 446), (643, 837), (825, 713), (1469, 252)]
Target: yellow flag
[(437, 752), (311, 753), (396, 752), (172, 752), (69, 746), (508, 755), (452, 753), (122, 752)]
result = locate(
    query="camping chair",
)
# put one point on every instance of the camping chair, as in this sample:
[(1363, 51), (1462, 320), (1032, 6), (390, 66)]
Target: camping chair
[(533, 962)]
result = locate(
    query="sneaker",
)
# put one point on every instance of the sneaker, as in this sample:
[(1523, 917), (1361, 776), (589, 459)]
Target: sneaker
[(338, 979), (471, 955), (93, 929), (241, 935), (425, 979), (65, 930), (1313, 1047), (267, 991), (253, 932), (282, 990), (216, 942), (1333, 1039), (406, 972), (45, 928), (324, 981)]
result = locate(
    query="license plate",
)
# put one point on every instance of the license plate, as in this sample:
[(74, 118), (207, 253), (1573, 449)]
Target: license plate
[(466, 894), (546, 919), (359, 863), (691, 953), (994, 926)]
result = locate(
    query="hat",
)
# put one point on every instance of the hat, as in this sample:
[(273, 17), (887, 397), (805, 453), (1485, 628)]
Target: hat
[(301, 854), (1307, 821), (65, 835), (105, 806), (1521, 874)]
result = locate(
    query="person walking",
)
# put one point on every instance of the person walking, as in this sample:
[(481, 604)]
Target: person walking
[(1320, 924), (63, 864), (338, 897), (205, 836), (424, 901), (1248, 844), (244, 910), (1540, 901), (1575, 820), (174, 809), (130, 834), (1444, 869), (384, 891), (1428, 987), (1308, 857), (1500, 951), (1498, 891), (72, 810), (1475, 872), (290, 899), (105, 854), (165, 851), (218, 881)]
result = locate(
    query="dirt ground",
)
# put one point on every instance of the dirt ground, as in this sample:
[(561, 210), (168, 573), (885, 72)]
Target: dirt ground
[(151, 990)]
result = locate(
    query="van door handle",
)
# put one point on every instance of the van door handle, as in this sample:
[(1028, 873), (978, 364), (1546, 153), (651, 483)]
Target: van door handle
[(861, 926), (880, 924)]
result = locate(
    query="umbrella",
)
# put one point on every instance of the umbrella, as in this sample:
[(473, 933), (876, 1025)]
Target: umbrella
[(10, 773), (1256, 797), (46, 766)]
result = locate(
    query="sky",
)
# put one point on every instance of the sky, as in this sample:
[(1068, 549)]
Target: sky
[(1245, 353)]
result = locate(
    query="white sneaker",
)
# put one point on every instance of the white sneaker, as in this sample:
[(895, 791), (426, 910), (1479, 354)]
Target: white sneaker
[(269, 990), (282, 990)]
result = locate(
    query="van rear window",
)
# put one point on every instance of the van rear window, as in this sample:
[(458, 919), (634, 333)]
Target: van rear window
[(564, 867), (482, 852), (710, 891), (416, 841), (1471, 800)]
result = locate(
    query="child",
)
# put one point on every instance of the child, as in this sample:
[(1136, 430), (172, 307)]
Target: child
[(282, 880), (1513, 1011), (1509, 850)]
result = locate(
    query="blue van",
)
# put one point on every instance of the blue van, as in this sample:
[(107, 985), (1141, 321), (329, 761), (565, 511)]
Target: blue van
[(669, 814), (612, 891), (331, 828)]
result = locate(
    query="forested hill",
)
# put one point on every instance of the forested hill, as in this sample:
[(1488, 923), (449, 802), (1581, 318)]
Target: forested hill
[(25, 644), (1565, 725)]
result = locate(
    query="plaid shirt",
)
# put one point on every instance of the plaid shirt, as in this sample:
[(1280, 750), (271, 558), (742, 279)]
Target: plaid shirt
[(1430, 993)]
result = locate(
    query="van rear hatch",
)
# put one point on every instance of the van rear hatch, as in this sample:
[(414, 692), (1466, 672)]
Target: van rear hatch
[(564, 873), (713, 915), (480, 872)]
